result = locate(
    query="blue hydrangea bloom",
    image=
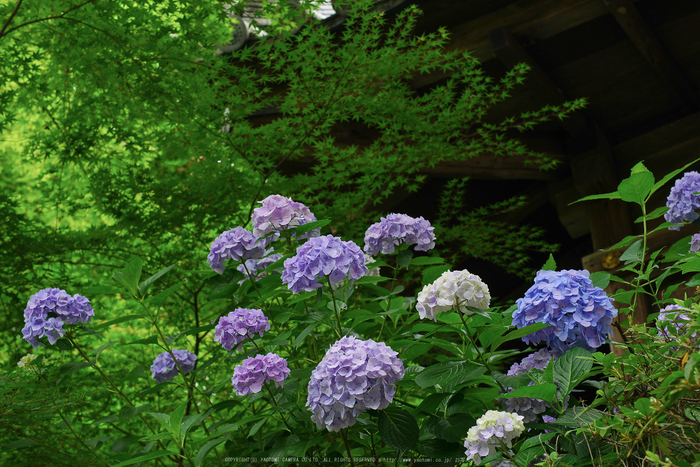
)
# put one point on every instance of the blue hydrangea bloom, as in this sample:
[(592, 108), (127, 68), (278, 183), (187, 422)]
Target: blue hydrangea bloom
[(320, 257), (354, 376), (395, 229), (165, 369), (682, 203), (279, 213), (237, 244), (578, 312), (48, 310), (239, 325), (250, 376), (695, 244), (528, 407), (256, 267)]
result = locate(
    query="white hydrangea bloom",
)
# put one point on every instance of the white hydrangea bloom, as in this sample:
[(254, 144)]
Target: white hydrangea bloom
[(453, 289), (371, 272), (490, 431), (25, 361)]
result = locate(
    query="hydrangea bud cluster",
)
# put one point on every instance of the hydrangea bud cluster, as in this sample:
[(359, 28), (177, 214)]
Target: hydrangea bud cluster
[(395, 229), (279, 213), (680, 321), (48, 310), (320, 257), (26, 361), (490, 431), (239, 325), (250, 376), (354, 376), (529, 407), (695, 244), (682, 203), (578, 312), (453, 289), (237, 244), (254, 269), (164, 367)]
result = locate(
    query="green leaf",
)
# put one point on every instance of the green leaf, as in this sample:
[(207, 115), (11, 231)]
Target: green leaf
[(545, 392), (130, 275), (300, 229), (97, 352), (398, 429), (636, 188), (441, 373), (403, 259), (577, 416), (255, 428), (160, 298), (655, 214), (633, 254), (518, 333), (432, 402), (122, 319), (669, 176), (526, 456), (302, 335), (613, 195), (143, 287), (176, 421), (454, 428), (550, 265), (22, 443), (571, 368), (64, 344), (600, 279), (432, 273), (370, 280), (206, 448), (146, 457), (147, 341), (71, 367), (426, 260)]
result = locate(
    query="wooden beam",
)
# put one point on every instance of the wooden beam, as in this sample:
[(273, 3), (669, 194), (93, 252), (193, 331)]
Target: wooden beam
[(510, 53), (644, 38)]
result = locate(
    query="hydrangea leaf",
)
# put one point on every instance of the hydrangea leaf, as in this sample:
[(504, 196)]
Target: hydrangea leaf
[(633, 254), (571, 368), (312, 225), (454, 428), (546, 392), (518, 333), (143, 286), (426, 260), (145, 457), (432, 273), (441, 373), (600, 279), (550, 265), (398, 429), (637, 187)]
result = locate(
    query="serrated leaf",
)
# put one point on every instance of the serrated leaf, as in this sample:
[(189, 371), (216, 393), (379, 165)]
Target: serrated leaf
[(143, 287), (403, 259), (511, 381), (426, 260), (669, 176), (300, 229), (518, 333), (454, 428), (545, 392), (441, 373), (537, 440), (550, 265), (571, 368), (577, 416), (130, 275), (636, 188), (655, 214), (432, 273), (633, 253), (398, 429), (600, 279)]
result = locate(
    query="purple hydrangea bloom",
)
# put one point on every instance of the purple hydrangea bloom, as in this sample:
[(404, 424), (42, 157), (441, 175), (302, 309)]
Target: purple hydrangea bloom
[(256, 267), (239, 325), (354, 376), (680, 321), (279, 213), (491, 431), (237, 244), (578, 312), (682, 203), (323, 256), (453, 289), (529, 407), (48, 310), (395, 229), (695, 244), (165, 369), (253, 372)]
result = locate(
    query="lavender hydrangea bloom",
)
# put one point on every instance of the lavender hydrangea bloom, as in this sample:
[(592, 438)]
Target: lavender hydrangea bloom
[(682, 203), (354, 376), (323, 256), (453, 289), (680, 321), (165, 369), (578, 312), (239, 325), (529, 407), (250, 376), (695, 244), (237, 244), (490, 431), (48, 310), (279, 213), (395, 229), (256, 267)]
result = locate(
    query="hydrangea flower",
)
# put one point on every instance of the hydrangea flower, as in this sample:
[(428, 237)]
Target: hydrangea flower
[(492, 429), (237, 244), (695, 244), (253, 372), (395, 229), (578, 312), (48, 310), (279, 213), (239, 325), (529, 407), (26, 361), (678, 320), (256, 267), (682, 203), (453, 289), (323, 256), (354, 376), (165, 369), (371, 271)]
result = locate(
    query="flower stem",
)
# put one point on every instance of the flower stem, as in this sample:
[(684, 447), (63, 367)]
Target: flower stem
[(347, 447), (335, 308)]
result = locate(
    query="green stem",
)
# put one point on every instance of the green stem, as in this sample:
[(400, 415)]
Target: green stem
[(347, 446), (335, 308), (478, 350), (275, 402)]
